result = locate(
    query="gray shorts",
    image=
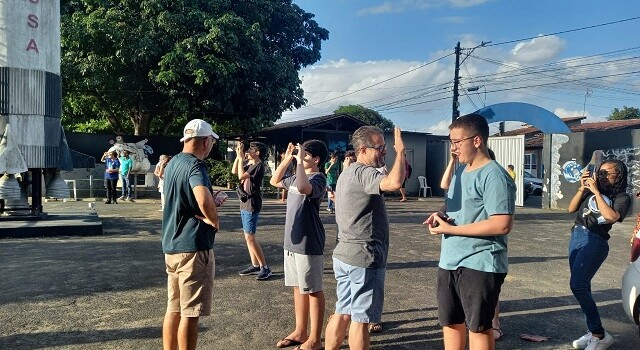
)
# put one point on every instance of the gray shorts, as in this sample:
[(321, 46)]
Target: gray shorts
[(303, 271)]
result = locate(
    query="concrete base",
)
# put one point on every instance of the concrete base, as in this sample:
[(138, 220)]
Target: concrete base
[(53, 224)]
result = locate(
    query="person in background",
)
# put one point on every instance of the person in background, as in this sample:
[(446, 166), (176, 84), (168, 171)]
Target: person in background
[(112, 166), (349, 158), (125, 169), (408, 171), (511, 171), (251, 182), (600, 202), (189, 225), (304, 240), (331, 171), (159, 172)]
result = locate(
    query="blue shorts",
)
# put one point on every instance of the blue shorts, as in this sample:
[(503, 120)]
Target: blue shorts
[(249, 221), (360, 291)]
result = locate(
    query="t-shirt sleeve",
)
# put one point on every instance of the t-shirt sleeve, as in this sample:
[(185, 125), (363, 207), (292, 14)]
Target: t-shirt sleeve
[(370, 179), (621, 205), (198, 176), (319, 185), (287, 181), (256, 172), (499, 196)]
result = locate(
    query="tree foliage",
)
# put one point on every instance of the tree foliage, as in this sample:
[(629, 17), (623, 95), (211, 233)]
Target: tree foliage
[(367, 115), (624, 113), (147, 66)]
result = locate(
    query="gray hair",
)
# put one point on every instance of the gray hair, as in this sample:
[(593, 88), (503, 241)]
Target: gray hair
[(364, 135)]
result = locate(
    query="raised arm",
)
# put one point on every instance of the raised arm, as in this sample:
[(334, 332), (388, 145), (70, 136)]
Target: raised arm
[(281, 170), (445, 182), (393, 181)]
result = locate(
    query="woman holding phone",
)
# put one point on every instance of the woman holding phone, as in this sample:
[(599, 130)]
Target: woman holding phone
[(600, 201)]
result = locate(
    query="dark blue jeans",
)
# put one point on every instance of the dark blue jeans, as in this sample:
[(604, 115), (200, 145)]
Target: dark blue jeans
[(587, 252), (330, 203)]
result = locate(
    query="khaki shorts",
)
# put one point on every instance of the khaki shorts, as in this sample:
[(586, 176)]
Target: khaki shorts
[(303, 271), (190, 282)]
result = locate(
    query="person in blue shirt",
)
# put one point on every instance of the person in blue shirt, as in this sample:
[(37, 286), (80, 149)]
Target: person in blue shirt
[(112, 166)]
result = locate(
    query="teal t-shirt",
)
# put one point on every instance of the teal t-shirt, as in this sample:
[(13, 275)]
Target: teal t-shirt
[(182, 232), (125, 165), (472, 197)]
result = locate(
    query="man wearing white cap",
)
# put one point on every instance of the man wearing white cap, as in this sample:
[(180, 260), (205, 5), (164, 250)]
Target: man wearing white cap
[(189, 224)]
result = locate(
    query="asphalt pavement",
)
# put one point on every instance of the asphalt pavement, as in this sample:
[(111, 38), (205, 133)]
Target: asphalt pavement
[(108, 291)]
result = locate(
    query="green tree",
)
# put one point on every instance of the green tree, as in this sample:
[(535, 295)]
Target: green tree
[(624, 113), (146, 66), (367, 115)]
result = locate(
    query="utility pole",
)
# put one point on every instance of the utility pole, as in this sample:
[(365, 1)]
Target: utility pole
[(456, 79)]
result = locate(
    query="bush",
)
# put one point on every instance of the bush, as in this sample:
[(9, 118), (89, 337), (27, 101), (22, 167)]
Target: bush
[(220, 173)]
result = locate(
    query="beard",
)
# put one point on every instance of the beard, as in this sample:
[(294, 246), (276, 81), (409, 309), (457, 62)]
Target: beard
[(379, 162)]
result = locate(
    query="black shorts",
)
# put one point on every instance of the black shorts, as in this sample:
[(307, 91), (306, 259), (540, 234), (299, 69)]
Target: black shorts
[(475, 291)]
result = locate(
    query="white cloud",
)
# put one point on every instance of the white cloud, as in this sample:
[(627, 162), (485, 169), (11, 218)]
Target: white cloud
[(412, 5), (335, 83), (564, 113), (442, 128), (453, 20), (538, 50), (467, 3)]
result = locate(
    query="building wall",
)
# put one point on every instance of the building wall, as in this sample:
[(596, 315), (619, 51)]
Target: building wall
[(427, 155), (564, 155)]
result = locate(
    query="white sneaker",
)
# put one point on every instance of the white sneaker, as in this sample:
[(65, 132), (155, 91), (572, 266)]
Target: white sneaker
[(582, 342), (600, 344)]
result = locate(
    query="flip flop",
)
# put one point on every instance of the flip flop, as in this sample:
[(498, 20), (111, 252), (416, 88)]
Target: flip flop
[(299, 348), (375, 327), (498, 334), (286, 342)]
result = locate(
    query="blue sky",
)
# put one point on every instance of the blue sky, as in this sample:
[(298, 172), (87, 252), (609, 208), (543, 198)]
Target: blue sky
[(373, 41)]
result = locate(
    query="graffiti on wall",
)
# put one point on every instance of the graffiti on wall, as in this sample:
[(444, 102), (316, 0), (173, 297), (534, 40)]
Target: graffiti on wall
[(555, 193), (572, 170), (629, 156)]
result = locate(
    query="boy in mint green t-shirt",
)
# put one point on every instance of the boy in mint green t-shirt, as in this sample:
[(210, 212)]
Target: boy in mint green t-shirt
[(480, 204)]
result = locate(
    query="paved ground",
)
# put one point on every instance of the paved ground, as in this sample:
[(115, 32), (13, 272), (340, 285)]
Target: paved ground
[(108, 292)]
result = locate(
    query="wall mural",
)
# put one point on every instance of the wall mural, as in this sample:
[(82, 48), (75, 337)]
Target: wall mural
[(555, 193), (572, 170), (628, 156)]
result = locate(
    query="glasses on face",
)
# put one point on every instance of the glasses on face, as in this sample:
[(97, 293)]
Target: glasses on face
[(607, 173), (380, 148), (457, 143)]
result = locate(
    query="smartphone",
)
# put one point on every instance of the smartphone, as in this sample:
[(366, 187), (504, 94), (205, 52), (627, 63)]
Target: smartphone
[(596, 160)]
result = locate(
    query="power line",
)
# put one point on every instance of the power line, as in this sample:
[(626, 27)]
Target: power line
[(565, 31), (381, 82)]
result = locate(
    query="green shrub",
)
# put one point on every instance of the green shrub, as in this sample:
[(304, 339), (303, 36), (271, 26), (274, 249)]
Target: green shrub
[(220, 173)]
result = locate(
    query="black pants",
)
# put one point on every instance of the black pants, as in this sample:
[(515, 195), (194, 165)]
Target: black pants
[(111, 189)]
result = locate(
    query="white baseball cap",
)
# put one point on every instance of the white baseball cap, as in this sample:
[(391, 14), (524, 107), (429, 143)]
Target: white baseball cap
[(198, 127)]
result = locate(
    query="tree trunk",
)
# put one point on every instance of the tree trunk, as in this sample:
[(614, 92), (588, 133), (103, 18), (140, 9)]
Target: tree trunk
[(141, 122)]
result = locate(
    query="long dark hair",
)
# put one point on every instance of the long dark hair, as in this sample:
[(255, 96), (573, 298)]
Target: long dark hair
[(620, 185)]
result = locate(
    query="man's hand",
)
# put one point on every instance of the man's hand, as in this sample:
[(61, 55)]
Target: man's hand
[(398, 143), (438, 223), (288, 154), (301, 153), (240, 149), (208, 222)]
